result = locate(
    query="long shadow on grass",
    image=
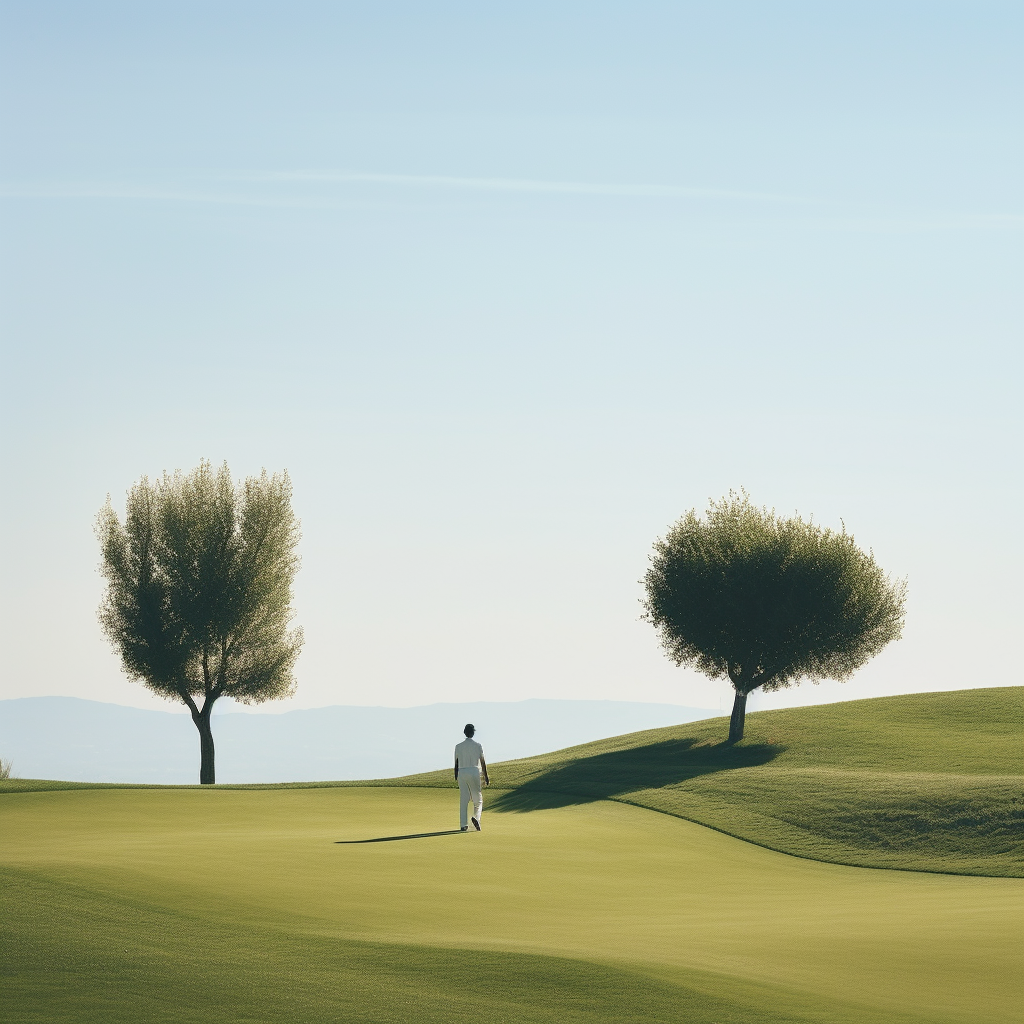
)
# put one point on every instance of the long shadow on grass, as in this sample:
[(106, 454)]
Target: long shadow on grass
[(394, 839), (620, 772)]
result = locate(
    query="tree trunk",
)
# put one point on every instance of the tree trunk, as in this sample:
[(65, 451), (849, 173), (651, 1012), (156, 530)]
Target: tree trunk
[(739, 715), (207, 775)]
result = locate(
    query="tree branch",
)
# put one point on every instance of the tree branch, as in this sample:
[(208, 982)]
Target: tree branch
[(189, 702)]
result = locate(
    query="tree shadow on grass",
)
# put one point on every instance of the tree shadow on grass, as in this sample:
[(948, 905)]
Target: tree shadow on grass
[(619, 772)]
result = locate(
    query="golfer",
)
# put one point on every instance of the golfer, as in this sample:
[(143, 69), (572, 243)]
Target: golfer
[(469, 761)]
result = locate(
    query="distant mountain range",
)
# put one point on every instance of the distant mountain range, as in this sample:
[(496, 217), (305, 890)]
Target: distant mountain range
[(88, 741)]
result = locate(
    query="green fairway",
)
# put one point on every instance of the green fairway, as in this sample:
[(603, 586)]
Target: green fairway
[(577, 903), (125, 904)]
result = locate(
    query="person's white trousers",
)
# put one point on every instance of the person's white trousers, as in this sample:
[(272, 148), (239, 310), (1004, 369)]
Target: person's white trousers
[(469, 790)]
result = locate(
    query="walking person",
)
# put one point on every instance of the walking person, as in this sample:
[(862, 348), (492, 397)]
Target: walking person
[(469, 762)]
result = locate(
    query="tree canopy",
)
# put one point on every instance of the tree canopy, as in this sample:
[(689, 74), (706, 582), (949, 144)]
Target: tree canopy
[(765, 601), (199, 589)]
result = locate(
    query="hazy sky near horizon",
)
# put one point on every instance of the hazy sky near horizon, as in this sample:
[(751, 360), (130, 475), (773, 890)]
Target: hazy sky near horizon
[(507, 289)]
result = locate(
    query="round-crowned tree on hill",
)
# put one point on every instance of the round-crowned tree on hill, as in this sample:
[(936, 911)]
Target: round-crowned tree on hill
[(199, 590), (765, 601)]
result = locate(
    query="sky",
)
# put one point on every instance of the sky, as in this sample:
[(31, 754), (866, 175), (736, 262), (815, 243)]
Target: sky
[(507, 289)]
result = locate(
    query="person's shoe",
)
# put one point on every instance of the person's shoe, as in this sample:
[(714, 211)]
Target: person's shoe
[(476, 824), (465, 828)]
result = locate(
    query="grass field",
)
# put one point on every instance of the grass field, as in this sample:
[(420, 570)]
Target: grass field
[(926, 782), (188, 904)]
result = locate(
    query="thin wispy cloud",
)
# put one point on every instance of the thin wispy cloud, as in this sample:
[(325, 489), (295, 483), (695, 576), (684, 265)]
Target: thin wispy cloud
[(529, 185), (181, 191), (284, 190), (128, 191), (873, 224)]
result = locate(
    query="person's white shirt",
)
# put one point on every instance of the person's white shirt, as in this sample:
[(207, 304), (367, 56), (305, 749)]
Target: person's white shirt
[(469, 753)]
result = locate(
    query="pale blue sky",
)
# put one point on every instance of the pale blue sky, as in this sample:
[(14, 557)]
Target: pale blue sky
[(507, 290)]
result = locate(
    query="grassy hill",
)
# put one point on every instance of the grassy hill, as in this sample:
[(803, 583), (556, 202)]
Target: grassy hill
[(926, 782), (322, 903)]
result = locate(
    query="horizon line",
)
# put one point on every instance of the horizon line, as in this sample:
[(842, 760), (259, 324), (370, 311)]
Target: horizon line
[(176, 707)]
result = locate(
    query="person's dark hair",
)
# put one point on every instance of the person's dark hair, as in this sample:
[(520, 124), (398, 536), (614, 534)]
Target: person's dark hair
[(469, 730)]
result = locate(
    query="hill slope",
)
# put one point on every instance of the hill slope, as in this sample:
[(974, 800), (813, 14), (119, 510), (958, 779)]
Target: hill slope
[(927, 782)]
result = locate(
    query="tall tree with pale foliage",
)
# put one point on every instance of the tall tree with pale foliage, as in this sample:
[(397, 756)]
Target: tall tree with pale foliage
[(766, 601), (199, 590)]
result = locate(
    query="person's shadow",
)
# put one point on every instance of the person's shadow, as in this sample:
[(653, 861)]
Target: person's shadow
[(394, 839), (618, 772)]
